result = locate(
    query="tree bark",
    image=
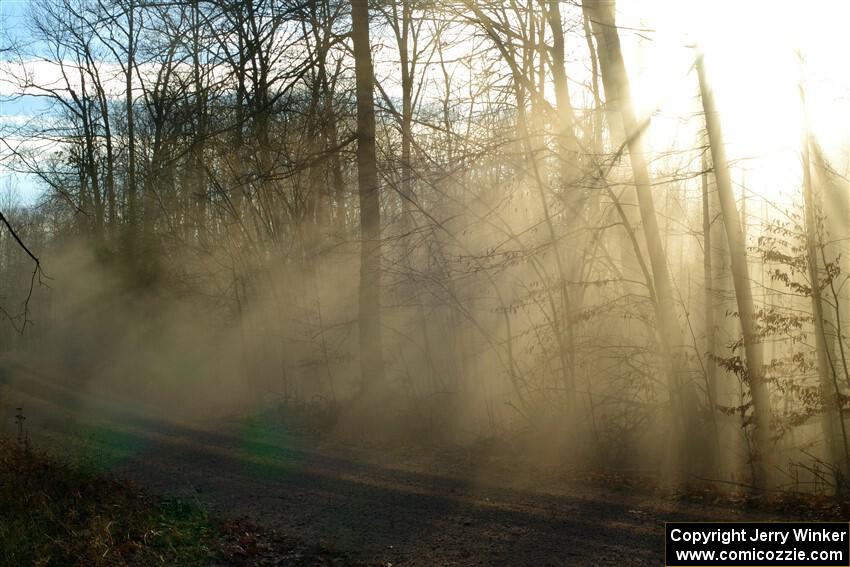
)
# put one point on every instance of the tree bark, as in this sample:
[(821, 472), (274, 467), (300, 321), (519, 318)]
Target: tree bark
[(741, 282), (371, 356), (618, 92), (132, 199), (832, 422)]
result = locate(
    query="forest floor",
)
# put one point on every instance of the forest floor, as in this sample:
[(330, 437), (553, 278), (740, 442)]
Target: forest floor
[(334, 503)]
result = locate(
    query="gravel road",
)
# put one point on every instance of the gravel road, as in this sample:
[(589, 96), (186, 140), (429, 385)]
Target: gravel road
[(358, 504)]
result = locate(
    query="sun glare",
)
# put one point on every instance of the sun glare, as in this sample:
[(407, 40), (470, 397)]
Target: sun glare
[(758, 56)]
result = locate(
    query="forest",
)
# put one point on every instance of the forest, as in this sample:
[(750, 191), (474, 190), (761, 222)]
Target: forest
[(587, 235)]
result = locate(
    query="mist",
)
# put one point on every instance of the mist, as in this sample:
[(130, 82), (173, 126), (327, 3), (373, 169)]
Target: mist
[(580, 237)]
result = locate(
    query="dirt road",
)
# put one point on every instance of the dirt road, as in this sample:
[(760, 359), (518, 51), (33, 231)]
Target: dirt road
[(357, 504)]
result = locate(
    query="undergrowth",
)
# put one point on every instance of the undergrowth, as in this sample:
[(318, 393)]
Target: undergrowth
[(57, 513)]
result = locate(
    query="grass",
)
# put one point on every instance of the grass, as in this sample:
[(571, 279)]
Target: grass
[(58, 513)]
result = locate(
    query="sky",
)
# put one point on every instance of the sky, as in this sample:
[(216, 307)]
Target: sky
[(12, 13), (757, 55), (753, 55)]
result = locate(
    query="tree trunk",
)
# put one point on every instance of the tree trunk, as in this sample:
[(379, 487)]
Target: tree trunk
[(371, 357), (132, 201), (618, 93), (710, 307), (832, 422), (741, 282)]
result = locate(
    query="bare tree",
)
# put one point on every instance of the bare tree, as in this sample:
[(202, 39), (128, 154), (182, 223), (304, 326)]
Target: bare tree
[(743, 287), (616, 83), (371, 355)]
